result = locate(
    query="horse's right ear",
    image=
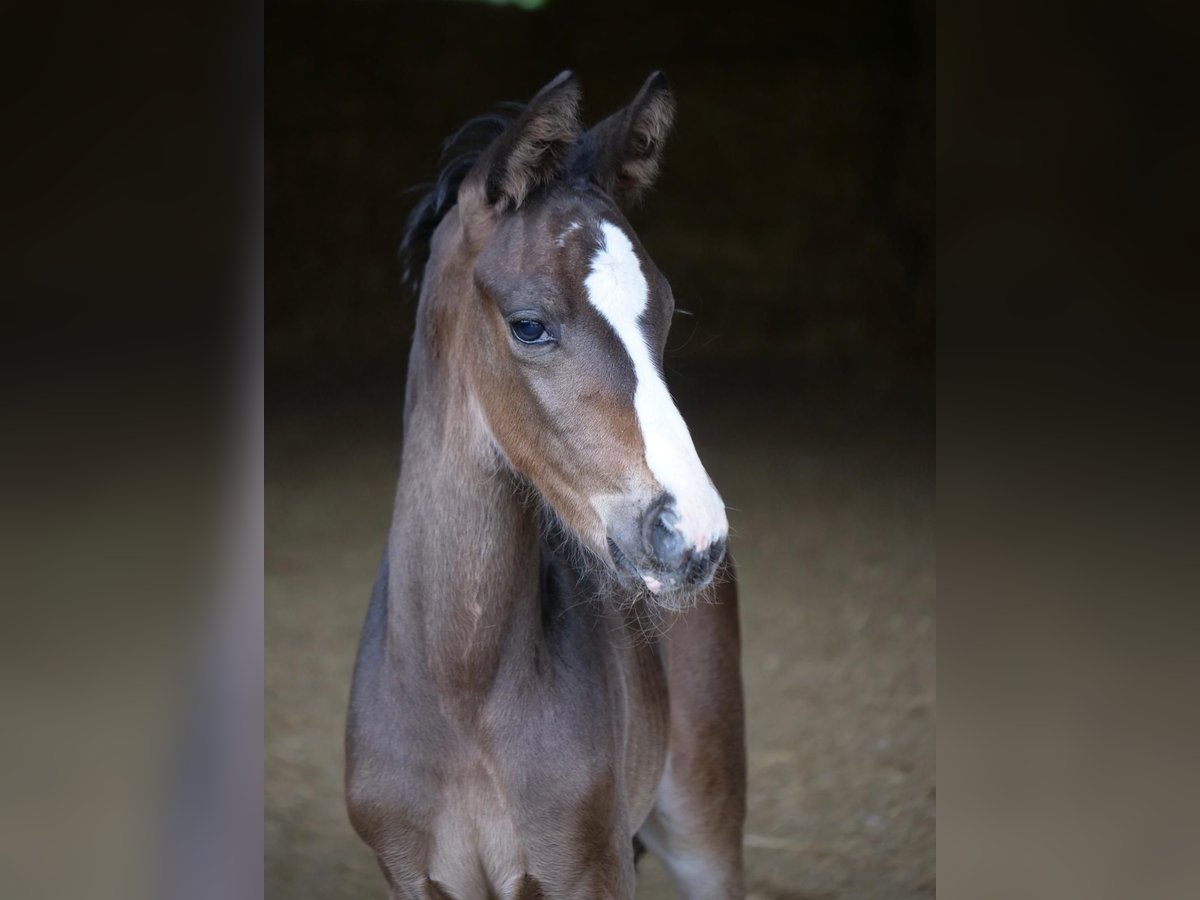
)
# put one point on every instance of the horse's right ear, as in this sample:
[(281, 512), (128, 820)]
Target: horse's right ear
[(530, 152)]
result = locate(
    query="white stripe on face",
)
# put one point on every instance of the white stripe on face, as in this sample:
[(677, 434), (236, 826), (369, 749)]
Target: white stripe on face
[(618, 290)]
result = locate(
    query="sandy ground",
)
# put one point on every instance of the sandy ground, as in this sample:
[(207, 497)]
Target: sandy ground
[(834, 537)]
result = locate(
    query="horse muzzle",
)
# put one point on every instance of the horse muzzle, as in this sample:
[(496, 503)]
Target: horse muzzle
[(665, 557)]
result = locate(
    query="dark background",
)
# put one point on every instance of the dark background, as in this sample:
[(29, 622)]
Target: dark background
[(794, 219), (794, 216)]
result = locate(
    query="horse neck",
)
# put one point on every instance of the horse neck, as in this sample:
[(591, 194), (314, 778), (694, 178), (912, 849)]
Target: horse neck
[(463, 550)]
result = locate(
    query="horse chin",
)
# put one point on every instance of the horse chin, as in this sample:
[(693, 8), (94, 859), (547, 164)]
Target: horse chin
[(673, 595), (673, 600)]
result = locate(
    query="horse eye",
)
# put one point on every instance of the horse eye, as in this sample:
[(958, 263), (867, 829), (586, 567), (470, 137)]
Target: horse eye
[(529, 331)]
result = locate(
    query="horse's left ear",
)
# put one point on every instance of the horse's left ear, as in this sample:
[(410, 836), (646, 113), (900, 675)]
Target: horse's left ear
[(629, 143)]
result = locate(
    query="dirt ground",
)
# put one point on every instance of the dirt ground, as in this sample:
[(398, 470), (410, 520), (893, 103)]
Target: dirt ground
[(833, 521)]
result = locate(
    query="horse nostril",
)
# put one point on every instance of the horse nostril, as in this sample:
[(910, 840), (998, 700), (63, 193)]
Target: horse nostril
[(666, 540)]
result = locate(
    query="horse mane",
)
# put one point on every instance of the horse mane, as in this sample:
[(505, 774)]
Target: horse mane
[(460, 152)]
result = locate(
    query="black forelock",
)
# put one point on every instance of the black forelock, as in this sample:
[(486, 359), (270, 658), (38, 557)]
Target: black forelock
[(460, 151)]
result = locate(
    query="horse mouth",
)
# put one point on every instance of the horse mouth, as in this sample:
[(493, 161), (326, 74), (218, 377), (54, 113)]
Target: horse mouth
[(661, 583), (622, 560), (637, 576)]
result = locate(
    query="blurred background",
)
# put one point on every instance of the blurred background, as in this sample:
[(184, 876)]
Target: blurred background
[(794, 219)]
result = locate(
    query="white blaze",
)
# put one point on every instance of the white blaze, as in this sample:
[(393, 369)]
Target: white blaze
[(618, 290)]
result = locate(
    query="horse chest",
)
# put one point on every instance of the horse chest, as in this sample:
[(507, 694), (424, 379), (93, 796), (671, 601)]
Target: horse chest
[(559, 763)]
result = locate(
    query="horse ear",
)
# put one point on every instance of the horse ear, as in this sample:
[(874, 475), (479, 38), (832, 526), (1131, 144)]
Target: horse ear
[(629, 143), (532, 150)]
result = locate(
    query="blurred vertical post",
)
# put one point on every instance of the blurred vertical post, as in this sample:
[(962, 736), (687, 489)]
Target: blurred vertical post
[(131, 541)]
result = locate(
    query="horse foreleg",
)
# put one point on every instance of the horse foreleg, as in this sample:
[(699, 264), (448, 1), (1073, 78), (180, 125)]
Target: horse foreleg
[(695, 828)]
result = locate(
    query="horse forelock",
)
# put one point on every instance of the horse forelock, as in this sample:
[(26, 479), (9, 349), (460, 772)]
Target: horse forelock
[(460, 152)]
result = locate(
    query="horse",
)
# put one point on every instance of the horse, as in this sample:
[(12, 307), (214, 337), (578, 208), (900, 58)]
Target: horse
[(548, 679)]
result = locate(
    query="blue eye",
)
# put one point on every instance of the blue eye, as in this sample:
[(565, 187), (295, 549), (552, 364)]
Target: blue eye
[(530, 331)]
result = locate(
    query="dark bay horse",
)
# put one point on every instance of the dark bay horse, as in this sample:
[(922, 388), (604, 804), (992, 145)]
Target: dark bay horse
[(549, 671)]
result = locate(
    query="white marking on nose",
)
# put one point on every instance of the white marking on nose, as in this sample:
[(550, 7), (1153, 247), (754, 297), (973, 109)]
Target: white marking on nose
[(617, 288)]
